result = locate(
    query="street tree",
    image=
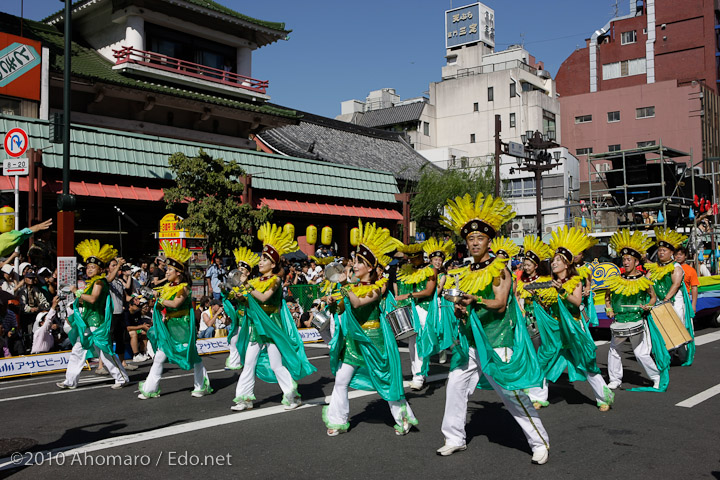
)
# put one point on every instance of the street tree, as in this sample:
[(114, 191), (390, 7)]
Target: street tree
[(211, 189)]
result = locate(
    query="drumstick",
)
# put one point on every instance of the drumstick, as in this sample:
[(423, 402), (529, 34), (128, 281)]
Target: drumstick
[(631, 306)]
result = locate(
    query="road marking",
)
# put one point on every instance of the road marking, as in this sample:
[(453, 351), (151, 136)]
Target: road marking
[(601, 342), (707, 338), (700, 397), (7, 463)]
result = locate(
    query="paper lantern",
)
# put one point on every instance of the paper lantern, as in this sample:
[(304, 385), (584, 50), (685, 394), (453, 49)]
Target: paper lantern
[(289, 228), (326, 236), (311, 234), (355, 237)]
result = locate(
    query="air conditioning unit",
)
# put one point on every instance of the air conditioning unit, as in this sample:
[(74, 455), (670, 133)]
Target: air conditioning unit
[(517, 234), (517, 226), (543, 74), (548, 229)]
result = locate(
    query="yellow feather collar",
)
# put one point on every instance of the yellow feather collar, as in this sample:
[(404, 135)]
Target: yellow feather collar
[(584, 272), (91, 283), (409, 275), (628, 286), (167, 291), (657, 272), (571, 284), (472, 281), (262, 285), (365, 290)]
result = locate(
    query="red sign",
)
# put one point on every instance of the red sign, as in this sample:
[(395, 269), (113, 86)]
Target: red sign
[(21, 74), (16, 142)]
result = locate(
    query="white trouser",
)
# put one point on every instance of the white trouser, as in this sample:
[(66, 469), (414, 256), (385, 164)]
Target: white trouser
[(152, 382), (462, 382), (679, 306), (339, 409), (77, 362), (416, 361), (642, 348), (246, 382), (539, 394), (234, 361)]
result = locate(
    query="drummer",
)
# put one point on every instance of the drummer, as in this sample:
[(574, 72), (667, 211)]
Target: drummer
[(487, 322), (627, 302), (668, 276), (415, 286)]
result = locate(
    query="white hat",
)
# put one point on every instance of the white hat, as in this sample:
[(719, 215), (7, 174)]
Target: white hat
[(22, 267), (43, 270), (38, 319), (7, 268)]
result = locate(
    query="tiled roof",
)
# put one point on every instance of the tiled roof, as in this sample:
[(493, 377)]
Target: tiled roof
[(114, 152), (391, 116), (87, 63), (209, 4), (343, 143)]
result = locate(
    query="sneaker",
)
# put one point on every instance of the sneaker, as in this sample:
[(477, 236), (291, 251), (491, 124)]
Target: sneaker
[(101, 371), (443, 357), (540, 456), (656, 383), (242, 406), (199, 393), (416, 385), (65, 386), (295, 404), (334, 432), (130, 367), (142, 396), (604, 407), (613, 385), (537, 405), (404, 430), (446, 449), (140, 357), (117, 386)]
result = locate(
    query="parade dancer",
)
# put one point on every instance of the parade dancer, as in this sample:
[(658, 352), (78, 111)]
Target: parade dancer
[(245, 261), (363, 351), (416, 287), (90, 325), (669, 286), (268, 340), (173, 334), (535, 270), (630, 296), (439, 252), (587, 307), (490, 342), (566, 341)]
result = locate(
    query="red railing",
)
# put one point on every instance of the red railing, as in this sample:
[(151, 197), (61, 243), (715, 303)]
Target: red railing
[(182, 67)]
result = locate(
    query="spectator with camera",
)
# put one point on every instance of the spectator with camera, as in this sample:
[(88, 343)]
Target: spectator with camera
[(10, 283), (208, 319), (137, 328), (215, 276), (43, 329)]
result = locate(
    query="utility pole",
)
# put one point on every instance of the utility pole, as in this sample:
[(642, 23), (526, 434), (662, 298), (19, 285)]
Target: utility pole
[(498, 152)]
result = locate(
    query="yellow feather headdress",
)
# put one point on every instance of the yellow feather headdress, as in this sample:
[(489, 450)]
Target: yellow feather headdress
[(504, 245), (322, 261), (485, 214), (570, 242), (669, 238), (536, 250), (92, 252), (634, 244), (245, 258), (175, 255), (411, 249), (437, 248), (375, 243), (276, 241)]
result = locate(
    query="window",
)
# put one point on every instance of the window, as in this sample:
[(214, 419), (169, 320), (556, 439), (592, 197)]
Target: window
[(491, 94), (583, 119), (463, 162), (513, 90), (549, 123), (614, 148), (183, 46), (648, 143), (613, 117), (624, 68), (476, 107), (472, 138), (645, 112), (512, 120), (628, 37), (9, 106), (583, 151), (426, 128)]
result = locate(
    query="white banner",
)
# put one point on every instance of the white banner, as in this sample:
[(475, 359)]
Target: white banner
[(34, 364), (206, 346), (309, 335)]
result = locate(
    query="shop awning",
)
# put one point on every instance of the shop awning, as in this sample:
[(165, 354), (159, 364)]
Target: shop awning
[(331, 209), (90, 189)]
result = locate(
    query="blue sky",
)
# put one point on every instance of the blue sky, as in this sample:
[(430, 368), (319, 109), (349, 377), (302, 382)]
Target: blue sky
[(340, 50)]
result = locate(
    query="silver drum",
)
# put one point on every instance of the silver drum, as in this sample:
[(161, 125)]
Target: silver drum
[(627, 329), (320, 320), (401, 322)]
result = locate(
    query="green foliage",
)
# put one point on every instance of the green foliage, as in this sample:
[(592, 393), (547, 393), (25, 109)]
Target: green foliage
[(211, 190), (436, 187)]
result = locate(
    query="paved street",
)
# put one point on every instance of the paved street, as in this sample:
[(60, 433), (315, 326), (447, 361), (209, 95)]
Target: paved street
[(646, 435)]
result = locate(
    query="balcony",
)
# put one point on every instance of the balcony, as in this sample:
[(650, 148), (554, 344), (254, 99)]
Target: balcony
[(194, 75)]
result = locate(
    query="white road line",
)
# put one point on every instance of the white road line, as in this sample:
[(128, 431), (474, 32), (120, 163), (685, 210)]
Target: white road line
[(700, 397), (707, 338), (7, 463), (601, 342)]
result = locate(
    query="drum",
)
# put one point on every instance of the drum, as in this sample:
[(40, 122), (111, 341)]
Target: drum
[(401, 321), (453, 295), (670, 325), (320, 320), (627, 329)]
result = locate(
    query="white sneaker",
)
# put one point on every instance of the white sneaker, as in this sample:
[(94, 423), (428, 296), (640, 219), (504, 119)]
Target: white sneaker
[(140, 357), (295, 404), (65, 386), (446, 449), (117, 386), (416, 385), (443, 357), (656, 383), (540, 456), (241, 406), (613, 385)]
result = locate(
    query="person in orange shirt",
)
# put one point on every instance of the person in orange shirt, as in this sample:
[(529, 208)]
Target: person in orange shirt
[(691, 277)]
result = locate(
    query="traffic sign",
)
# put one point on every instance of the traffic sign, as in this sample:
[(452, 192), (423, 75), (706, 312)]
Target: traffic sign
[(16, 166), (516, 149), (16, 142), (420, 237)]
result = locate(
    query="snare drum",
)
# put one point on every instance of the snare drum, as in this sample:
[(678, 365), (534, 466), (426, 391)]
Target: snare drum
[(670, 325), (627, 329), (401, 321)]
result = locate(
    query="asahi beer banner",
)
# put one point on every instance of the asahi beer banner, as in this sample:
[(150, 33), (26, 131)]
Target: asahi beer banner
[(34, 364), (309, 335), (206, 346)]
